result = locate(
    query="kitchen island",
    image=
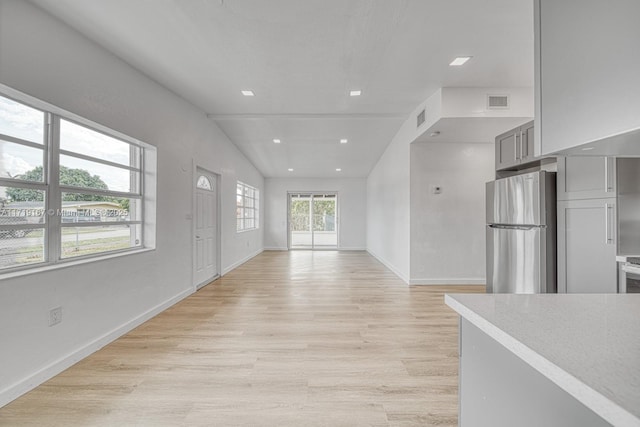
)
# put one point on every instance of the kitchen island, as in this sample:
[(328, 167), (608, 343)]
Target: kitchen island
[(549, 359)]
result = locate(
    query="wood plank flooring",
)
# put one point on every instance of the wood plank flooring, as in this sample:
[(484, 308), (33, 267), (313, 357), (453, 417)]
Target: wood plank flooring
[(288, 339)]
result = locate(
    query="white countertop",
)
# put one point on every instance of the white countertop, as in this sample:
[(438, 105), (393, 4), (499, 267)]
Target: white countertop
[(588, 344), (623, 258)]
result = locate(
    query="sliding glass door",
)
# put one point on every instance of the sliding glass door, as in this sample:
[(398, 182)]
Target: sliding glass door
[(313, 221)]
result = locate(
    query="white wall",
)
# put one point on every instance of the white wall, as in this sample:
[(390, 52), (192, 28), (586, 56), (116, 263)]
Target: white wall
[(448, 229), (472, 102), (101, 300), (352, 207), (388, 204)]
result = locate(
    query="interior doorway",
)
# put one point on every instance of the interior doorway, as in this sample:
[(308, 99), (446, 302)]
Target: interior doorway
[(206, 243), (313, 221)]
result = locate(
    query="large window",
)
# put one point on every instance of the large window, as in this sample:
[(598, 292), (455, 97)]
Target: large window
[(247, 207), (68, 189)]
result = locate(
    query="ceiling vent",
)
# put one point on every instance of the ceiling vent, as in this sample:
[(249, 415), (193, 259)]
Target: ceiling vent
[(497, 102), (421, 118)]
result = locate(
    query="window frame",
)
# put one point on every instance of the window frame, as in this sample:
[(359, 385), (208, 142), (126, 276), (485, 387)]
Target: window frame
[(255, 208), (52, 225)]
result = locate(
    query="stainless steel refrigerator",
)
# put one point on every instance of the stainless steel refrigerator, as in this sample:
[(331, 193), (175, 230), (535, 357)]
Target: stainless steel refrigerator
[(521, 234)]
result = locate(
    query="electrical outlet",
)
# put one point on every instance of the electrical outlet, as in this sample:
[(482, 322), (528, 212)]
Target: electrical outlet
[(55, 316)]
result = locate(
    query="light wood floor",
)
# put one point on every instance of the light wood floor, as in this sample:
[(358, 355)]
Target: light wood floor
[(287, 339)]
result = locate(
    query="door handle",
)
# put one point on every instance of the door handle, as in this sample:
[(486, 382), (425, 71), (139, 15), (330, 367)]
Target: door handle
[(514, 227), (608, 231), (608, 170), (518, 146), (524, 146)]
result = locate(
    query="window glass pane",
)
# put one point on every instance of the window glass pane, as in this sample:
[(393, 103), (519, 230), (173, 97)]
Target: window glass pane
[(20, 162), (79, 241), (19, 121), (78, 207), (247, 207), (84, 173), (204, 183), (89, 142), (21, 247), (21, 206)]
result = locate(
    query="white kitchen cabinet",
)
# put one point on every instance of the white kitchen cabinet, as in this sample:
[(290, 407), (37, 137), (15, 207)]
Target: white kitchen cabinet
[(515, 147), (586, 178), (587, 64), (587, 246)]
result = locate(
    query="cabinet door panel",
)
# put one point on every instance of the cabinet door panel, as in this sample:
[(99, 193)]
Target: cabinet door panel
[(586, 178), (507, 151), (587, 67), (528, 153), (587, 246)]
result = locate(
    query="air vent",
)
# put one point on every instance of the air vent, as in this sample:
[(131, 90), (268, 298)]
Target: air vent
[(497, 102), (421, 118)]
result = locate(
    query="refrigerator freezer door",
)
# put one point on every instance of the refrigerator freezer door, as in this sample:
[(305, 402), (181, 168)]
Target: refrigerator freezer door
[(515, 200), (514, 261)]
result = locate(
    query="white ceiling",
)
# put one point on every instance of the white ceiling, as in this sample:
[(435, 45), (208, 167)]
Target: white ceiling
[(301, 57)]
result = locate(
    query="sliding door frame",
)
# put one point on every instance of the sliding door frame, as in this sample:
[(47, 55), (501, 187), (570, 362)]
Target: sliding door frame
[(337, 224)]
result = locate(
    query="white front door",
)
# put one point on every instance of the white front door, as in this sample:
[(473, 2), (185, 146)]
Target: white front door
[(206, 233)]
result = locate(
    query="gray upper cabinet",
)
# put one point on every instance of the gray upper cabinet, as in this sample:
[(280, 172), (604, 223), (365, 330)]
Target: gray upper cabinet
[(587, 63), (506, 155), (587, 246), (586, 178), (515, 147), (527, 143)]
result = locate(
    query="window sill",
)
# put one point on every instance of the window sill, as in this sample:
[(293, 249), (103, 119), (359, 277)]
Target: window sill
[(247, 230), (66, 264)]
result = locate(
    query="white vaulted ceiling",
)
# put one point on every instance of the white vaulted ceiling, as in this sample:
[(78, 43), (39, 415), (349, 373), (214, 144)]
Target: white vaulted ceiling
[(301, 58)]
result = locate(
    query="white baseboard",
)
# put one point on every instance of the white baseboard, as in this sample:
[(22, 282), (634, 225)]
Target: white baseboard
[(390, 266), (277, 248), (461, 281), (29, 383), (242, 261)]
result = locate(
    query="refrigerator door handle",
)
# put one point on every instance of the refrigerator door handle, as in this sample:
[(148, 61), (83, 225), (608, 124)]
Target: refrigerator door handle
[(515, 227)]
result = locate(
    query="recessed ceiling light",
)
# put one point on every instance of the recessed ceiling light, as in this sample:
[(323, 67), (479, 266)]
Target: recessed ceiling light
[(338, 170), (459, 61), (276, 140), (587, 148), (344, 141), (248, 93), (355, 93), (290, 169)]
